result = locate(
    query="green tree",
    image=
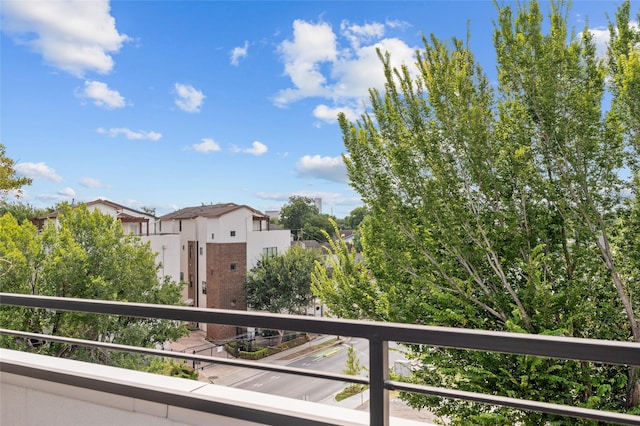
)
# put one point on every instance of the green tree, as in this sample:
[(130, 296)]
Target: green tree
[(315, 226), (499, 207), (8, 179), (282, 283), (353, 367), (355, 217), (20, 211), (86, 255), (303, 218), (149, 210), (295, 214), (346, 285)]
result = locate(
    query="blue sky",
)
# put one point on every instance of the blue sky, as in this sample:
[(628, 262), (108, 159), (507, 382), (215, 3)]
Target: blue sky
[(169, 104)]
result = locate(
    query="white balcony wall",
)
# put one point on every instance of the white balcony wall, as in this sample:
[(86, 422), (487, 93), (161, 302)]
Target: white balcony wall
[(28, 401)]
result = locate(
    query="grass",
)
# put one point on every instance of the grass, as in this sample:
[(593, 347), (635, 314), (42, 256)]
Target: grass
[(350, 391)]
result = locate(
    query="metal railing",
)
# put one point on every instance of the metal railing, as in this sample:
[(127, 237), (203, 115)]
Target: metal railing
[(378, 334)]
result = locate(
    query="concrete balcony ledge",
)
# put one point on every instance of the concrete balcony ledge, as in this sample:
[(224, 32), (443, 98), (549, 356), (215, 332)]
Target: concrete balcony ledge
[(37, 389)]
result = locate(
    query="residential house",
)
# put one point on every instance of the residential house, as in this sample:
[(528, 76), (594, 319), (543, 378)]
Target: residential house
[(142, 224), (219, 243), (133, 221)]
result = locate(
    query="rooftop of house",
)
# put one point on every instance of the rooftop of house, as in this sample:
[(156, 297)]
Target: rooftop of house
[(209, 211), (102, 201)]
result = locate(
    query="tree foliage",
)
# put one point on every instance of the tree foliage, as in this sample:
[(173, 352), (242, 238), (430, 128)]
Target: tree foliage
[(304, 219), (345, 285), (21, 211), (86, 255), (282, 283), (355, 217), (505, 207), (9, 181)]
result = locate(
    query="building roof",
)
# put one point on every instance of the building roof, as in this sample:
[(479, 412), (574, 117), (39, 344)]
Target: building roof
[(209, 211), (123, 217), (116, 206)]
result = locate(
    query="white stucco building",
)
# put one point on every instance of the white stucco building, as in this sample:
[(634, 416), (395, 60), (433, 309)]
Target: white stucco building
[(218, 244)]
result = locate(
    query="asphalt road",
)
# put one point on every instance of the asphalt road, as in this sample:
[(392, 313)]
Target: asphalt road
[(331, 359)]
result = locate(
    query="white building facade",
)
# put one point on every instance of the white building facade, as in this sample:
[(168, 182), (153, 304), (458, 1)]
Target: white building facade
[(218, 244)]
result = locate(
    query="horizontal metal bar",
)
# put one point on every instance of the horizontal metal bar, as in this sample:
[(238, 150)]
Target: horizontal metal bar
[(524, 404), (191, 357), (611, 352)]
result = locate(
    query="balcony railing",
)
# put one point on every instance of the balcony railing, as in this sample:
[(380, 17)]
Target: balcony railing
[(378, 334)]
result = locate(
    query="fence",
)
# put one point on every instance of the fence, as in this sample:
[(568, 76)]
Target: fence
[(378, 334)]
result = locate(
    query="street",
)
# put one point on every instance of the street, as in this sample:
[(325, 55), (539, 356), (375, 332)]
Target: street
[(332, 359)]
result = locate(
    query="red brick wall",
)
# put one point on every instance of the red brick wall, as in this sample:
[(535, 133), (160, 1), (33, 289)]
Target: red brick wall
[(225, 285)]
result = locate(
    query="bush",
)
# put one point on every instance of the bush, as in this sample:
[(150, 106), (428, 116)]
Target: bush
[(243, 349), (257, 354), (170, 367)]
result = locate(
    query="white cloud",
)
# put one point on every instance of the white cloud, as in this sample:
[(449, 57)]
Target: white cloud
[(101, 94), (161, 209), (601, 37), (284, 196), (356, 75), (130, 134), (188, 98), (257, 149), (207, 145), (239, 52), (318, 67), (67, 192), (312, 45), (357, 34), (76, 36), (37, 170), (328, 168), (88, 182), (330, 115), (397, 24)]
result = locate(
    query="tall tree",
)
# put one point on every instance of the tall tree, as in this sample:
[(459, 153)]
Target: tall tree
[(21, 211), (282, 283), (355, 217), (501, 207), (303, 218), (8, 179), (87, 255)]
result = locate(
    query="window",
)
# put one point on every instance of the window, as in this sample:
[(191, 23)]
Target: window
[(269, 252), (180, 225), (212, 274), (232, 233), (233, 266), (190, 251), (190, 280), (181, 276), (204, 287), (201, 251), (212, 236)]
